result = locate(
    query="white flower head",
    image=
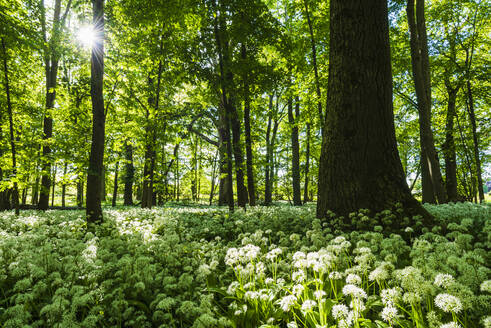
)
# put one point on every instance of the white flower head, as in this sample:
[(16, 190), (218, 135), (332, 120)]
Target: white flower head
[(390, 296), (287, 302), (353, 279), (335, 275), (297, 290), (298, 276), (318, 294), (292, 324), (448, 303), (486, 286), (378, 274), (339, 311), (451, 325), (443, 280), (388, 313), (354, 291), (308, 305)]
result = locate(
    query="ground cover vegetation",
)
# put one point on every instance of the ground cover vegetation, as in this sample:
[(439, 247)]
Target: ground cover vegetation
[(267, 267)]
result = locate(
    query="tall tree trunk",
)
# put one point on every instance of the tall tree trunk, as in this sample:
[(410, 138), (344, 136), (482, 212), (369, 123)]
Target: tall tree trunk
[(267, 168), (35, 191), (307, 166), (15, 190), (53, 185), (129, 174), (115, 188), (449, 145), (314, 63), (80, 190), (477, 159), (293, 120), (213, 177), (242, 198), (359, 165), (432, 182), (94, 173), (63, 186), (247, 130)]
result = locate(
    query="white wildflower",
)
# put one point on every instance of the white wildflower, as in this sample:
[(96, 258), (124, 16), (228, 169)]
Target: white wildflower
[(354, 291), (353, 279), (287, 302), (335, 275), (308, 305), (339, 311), (273, 254), (448, 303), (390, 296), (486, 286), (378, 274), (298, 276), (318, 294), (232, 288), (297, 290), (451, 325), (443, 280), (388, 313), (292, 324)]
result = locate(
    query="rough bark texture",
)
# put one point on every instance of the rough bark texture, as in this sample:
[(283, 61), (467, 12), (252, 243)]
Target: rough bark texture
[(432, 182), (94, 173), (449, 145), (129, 174), (292, 120), (360, 165), (475, 139)]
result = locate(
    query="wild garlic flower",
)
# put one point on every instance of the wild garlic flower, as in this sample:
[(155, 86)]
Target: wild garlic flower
[(232, 288), (443, 280), (287, 302), (354, 291), (335, 275), (273, 254), (448, 303), (298, 276), (292, 324), (318, 294), (486, 322), (251, 295), (232, 256), (353, 279), (250, 252), (486, 286), (269, 281), (339, 311), (390, 296), (297, 290), (411, 298), (451, 325), (378, 274), (388, 313), (308, 305)]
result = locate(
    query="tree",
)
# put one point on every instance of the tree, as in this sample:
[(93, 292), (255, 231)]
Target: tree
[(360, 165), (293, 121), (95, 170)]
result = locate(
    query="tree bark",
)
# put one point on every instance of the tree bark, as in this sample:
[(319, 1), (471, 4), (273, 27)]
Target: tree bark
[(115, 188), (359, 165), (477, 159), (449, 145), (63, 186), (248, 140), (15, 190), (293, 121), (267, 168), (307, 166), (53, 185), (432, 182), (129, 174), (94, 173)]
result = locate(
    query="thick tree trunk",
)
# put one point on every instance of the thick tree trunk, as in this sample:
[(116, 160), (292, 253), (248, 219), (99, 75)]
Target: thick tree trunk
[(115, 187), (293, 121), (94, 173), (475, 139), (307, 166), (432, 182), (359, 165), (15, 190), (248, 140), (129, 174), (449, 145)]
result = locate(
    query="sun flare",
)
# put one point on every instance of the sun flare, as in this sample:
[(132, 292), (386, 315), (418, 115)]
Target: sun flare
[(86, 36)]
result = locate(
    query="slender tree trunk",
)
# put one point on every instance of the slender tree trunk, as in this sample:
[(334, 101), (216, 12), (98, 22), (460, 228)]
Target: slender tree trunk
[(267, 168), (449, 145), (314, 63), (63, 186), (477, 159), (129, 174), (359, 165), (213, 177), (247, 130), (94, 173), (80, 190), (53, 185), (293, 120), (115, 189), (15, 190), (432, 181), (307, 166), (242, 198), (35, 191)]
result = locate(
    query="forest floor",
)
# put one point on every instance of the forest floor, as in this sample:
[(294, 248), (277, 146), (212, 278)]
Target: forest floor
[(183, 266)]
